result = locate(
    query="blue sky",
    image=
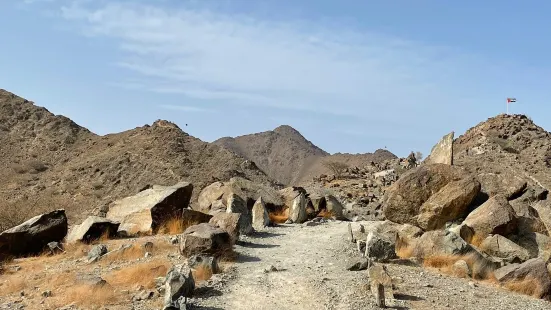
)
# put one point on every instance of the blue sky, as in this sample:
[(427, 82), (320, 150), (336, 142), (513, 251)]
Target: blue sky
[(352, 76)]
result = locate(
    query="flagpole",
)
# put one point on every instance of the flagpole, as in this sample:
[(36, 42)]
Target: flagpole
[(507, 106)]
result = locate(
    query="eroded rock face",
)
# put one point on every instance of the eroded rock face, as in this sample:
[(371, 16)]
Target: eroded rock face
[(33, 236), (204, 239), (495, 216), (403, 200), (543, 209), (93, 228), (442, 152), (148, 210), (534, 269)]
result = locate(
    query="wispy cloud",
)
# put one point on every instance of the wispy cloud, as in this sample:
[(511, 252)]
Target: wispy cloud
[(185, 108), (235, 59)]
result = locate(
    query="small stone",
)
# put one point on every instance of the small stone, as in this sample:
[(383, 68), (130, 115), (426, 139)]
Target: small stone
[(148, 246), (147, 255), (96, 253), (289, 222), (473, 285), (143, 295), (47, 294), (174, 240), (271, 269)]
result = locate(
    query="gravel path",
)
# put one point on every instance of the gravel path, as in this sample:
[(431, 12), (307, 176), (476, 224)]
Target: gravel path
[(311, 264)]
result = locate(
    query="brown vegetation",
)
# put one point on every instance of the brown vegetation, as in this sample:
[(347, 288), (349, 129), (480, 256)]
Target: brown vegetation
[(140, 274), (279, 216), (86, 296), (527, 286), (202, 273)]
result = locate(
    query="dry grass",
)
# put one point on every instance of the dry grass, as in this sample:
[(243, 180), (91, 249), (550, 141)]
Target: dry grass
[(527, 286), (76, 250), (326, 214), (202, 273), (403, 248), (477, 240), (89, 297), (279, 216), (175, 226), (132, 253), (140, 274), (12, 283)]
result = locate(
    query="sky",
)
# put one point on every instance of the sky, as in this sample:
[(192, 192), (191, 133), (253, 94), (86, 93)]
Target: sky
[(352, 76)]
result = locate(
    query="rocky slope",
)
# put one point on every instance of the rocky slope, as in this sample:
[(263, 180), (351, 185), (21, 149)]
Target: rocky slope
[(49, 162), (510, 146), (285, 155)]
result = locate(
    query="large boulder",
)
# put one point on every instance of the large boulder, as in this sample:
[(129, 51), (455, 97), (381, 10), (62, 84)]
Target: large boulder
[(204, 239), (505, 184), (334, 207), (297, 212), (32, 236), (148, 210), (495, 216), (228, 222), (248, 190), (237, 205), (440, 242), (93, 228), (448, 204), (403, 200), (260, 216), (442, 152), (501, 247), (531, 270)]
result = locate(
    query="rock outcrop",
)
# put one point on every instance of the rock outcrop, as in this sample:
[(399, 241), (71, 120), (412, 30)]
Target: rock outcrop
[(534, 270), (33, 236), (93, 228), (442, 152), (297, 212), (501, 247), (148, 210)]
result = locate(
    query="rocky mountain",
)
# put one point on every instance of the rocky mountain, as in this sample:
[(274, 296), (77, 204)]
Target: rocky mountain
[(506, 147), (49, 162), (285, 155), (282, 153)]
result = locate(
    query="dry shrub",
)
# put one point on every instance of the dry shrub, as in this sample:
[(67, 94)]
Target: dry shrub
[(526, 286), (139, 274), (404, 249), (279, 216), (202, 273), (326, 214), (175, 226)]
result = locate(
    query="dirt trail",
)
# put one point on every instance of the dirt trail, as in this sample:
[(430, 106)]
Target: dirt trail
[(311, 263)]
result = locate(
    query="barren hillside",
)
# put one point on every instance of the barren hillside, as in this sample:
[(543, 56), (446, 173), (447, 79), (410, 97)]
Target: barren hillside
[(48, 161), (285, 155)]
